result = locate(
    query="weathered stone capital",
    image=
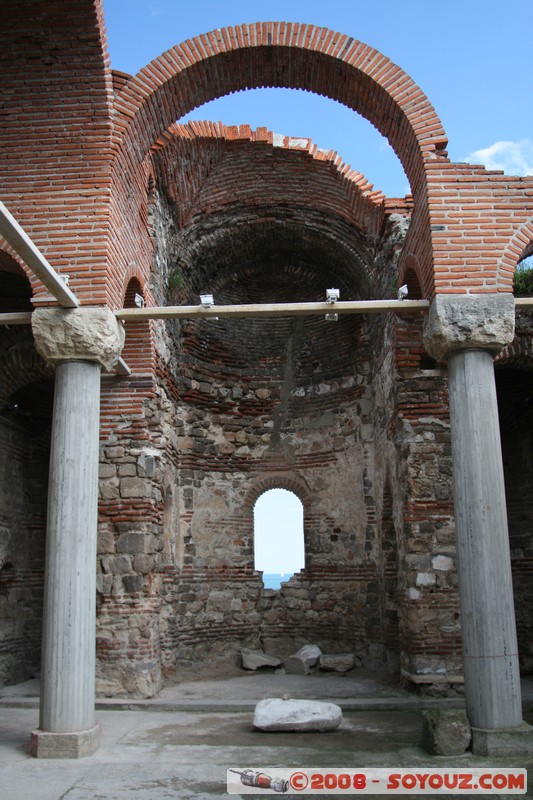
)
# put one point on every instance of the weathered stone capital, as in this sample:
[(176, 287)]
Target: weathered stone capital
[(469, 322), (81, 334)]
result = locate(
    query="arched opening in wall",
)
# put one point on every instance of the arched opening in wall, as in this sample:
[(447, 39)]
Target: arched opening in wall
[(523, 276), (25, 426), (26, 399), (137, 352), (414, 289), (279, 549), (515, 406), (15, 288)]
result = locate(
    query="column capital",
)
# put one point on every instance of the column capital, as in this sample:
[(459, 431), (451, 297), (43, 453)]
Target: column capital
[(81, 334), (469, 322)]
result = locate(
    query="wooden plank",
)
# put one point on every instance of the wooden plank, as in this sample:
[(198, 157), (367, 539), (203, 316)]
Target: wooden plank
[(274, 309)]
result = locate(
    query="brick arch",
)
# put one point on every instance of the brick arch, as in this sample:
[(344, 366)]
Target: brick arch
[(138, 351), (518, 354), (288, 55), (410, 275), (10, 261), (283, 480), (273, 54)]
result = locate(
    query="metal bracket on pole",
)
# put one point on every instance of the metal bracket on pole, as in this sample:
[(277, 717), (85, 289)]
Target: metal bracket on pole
[(272, 309)]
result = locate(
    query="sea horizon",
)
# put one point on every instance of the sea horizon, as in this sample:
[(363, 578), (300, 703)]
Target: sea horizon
[(273, 580)]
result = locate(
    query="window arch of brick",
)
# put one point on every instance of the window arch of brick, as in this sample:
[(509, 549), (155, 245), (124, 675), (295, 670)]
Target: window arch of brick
[(519, 247), (288, 483), (411, 277), (138, 350)]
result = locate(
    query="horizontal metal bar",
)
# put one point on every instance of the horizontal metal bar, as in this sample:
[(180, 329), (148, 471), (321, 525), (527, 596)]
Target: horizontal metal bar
[(34, 259), (523, 302), (16, 318), (273, 309)]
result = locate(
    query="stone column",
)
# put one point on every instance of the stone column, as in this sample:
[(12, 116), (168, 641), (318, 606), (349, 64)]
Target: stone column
[(77, 342), (466, 331)]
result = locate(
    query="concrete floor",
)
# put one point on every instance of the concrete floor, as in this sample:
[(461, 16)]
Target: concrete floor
[(180, 744)]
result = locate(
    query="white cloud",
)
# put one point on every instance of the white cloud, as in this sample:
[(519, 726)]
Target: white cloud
[(514, 158)]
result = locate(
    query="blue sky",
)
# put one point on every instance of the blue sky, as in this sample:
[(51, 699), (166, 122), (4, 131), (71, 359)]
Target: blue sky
[(278, 532), (472, 58)]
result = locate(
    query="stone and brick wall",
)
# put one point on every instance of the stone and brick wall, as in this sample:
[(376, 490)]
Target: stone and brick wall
[(352, 416)]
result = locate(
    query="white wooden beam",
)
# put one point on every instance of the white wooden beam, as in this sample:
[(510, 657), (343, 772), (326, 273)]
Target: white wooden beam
[(273, 309), (16, 318)]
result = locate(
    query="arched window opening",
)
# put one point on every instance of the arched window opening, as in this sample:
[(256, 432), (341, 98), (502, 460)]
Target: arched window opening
[(15, 288), (279, 549), (523, 277), (137, 352), (413, 285)]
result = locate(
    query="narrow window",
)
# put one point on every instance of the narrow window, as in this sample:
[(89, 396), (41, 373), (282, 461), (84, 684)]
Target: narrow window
[(278, 536)]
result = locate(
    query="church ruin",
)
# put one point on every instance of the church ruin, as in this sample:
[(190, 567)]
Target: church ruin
[(134, 447)]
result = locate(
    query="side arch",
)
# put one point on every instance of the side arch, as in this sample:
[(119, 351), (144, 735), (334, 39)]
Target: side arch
[(518, 247)]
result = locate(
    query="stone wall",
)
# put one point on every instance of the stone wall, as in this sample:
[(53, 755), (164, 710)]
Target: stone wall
[(348, 415)]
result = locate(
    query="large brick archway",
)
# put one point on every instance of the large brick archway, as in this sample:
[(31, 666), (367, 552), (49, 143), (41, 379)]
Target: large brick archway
[(288, 55)]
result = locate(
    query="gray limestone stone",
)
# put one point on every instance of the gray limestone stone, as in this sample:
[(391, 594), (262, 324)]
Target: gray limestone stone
[(87, 334), (469, 322), (446, 732), (296, 715), (301, 662), (310, 653), (338, 662), (503, 742), (253, 659), (78, 744)]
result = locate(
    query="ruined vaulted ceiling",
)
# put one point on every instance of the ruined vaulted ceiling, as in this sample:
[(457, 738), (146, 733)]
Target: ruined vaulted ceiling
[(252, 209)]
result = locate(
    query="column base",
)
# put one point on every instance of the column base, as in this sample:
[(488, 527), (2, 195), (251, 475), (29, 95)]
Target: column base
[(74, 744), (503, 741)]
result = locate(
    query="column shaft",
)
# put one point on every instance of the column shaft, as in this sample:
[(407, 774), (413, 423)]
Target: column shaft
[(68, 662), (492, 680)]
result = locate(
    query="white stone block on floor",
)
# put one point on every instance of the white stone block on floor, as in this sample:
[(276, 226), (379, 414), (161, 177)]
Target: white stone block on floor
[(274, 714)]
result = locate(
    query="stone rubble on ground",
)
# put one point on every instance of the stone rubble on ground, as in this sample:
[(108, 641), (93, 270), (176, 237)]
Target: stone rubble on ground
[(301, 662), (446, 732), (254, 659), (338, 662)]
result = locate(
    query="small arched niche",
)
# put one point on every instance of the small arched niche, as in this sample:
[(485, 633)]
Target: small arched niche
[(279, 548)]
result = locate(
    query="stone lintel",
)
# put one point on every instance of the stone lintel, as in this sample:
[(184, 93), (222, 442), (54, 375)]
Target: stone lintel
[(74, 744), (78, 334), (513, 742), (469, 322)]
